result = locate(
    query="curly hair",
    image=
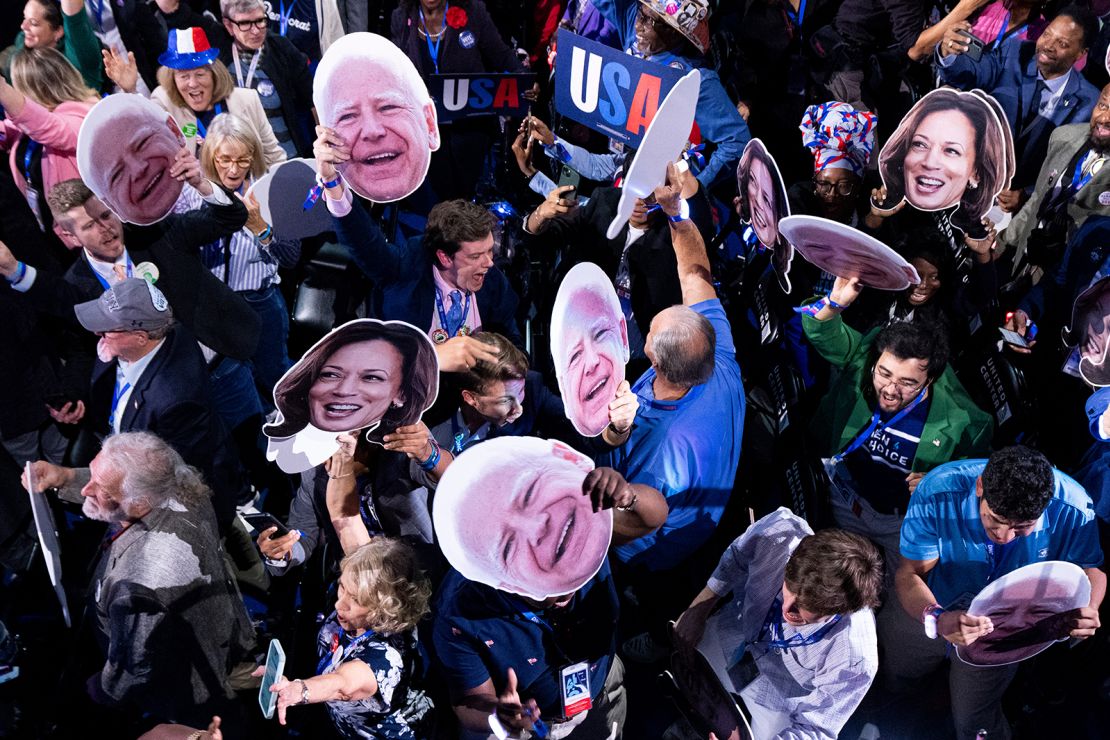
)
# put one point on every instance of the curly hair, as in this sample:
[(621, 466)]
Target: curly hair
[(1018, 483), (152, 473), (913, 340), (835, 572), (419, 370), (993, 146), (384, 577)]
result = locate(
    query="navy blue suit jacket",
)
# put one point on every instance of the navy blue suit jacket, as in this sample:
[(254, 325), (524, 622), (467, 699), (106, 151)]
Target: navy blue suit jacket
[(1009, 74), (404, 289)]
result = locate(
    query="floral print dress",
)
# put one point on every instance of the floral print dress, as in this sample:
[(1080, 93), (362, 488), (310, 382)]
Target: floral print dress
[(399, 711)]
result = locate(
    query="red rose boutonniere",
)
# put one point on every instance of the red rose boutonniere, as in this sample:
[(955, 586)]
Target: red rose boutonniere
[(456, 18)]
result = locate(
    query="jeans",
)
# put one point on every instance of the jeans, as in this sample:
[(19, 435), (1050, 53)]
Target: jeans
[(233, 393), (271, 359)]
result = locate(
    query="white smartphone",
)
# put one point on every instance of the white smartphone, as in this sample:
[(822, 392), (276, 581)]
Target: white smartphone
[(1012, 337), (275, 665)]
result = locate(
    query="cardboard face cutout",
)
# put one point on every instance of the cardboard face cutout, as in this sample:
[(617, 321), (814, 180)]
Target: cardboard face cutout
[(663, 142), (952, 149), (846, 252), (589, 344), (367, 376), (370, 93), (282, 194), (1027, 607), (125, 149), (763, 204), (705, 701), (48, 538), (1090, 333), (510, 513)]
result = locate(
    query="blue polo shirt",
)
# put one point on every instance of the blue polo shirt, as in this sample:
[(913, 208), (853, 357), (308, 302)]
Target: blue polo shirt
[(480, 632), (943, 522), (687, 449)]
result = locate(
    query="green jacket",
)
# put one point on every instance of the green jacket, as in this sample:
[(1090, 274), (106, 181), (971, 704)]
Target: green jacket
[(955, 428), (80, 46)]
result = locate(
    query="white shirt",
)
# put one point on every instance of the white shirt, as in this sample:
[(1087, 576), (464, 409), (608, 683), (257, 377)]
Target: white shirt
[(127, 377)]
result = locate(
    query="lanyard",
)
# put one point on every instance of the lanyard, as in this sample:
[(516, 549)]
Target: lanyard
[(875, 426), (250, 70), (433, 49), (997, 554), (103, 281), (443, 315), (337, 652), (773, 627), (283, 20), (32, 147), (1082, 175), (796, 17), (200, 124), (117, 394), (99, 10)]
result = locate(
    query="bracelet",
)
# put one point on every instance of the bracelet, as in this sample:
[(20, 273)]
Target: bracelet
[(329, 185), (433, 459), (196, 735), (304, 690), (613, 430), (929, 619), (632, 504), (833, 304), (337, 477), (20, 272), (265, 233)]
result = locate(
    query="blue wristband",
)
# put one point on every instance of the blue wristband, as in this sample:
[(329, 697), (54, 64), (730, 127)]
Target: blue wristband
[(433, 459), (20, 273)]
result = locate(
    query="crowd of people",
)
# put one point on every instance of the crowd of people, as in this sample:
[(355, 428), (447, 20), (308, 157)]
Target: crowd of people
[(506, 448)]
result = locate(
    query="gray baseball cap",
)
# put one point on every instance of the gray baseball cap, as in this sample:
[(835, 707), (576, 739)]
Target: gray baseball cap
[(133, 304)]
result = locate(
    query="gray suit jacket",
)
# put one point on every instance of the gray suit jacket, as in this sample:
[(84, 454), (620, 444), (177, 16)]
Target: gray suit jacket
[(1062, 146)]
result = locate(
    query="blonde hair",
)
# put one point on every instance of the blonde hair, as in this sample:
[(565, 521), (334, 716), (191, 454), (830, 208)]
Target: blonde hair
[(222, 84), (384, 577), (47, 77), (227, 127)]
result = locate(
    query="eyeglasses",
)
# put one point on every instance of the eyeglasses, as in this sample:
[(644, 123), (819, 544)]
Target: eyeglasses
[(904, 387), (656, 24), (824, 187), (244, 26), (242, 163)]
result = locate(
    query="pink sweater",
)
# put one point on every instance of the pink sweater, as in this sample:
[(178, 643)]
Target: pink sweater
[(57, 132)]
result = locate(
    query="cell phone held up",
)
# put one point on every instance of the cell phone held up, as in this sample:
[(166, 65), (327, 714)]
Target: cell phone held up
[(974, 45), (569, 197), (263, 521)]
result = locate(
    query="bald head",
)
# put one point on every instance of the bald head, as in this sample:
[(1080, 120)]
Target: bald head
[(680, 346)]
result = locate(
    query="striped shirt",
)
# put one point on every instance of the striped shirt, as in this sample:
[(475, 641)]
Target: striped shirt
[(814, 687), (240, 260)]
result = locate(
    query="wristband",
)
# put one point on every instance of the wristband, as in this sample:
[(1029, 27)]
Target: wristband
[(20, 272), (683, 213), (265, 234), (631, 504), (328, 185), (433, 459), (929, 617)]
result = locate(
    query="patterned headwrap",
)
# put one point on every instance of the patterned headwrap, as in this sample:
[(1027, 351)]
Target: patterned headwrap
[(840, 136)]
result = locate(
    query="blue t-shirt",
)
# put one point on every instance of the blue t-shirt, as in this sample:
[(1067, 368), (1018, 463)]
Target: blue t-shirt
[(943, 522), (301, 26), (880, 465), (687, 449), (480, 632)]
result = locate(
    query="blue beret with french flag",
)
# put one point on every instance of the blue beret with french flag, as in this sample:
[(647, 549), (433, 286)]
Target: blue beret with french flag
[(188, 49)]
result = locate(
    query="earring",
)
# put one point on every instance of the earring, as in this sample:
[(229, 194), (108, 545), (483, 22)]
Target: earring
[(972, 184), (397, 404)]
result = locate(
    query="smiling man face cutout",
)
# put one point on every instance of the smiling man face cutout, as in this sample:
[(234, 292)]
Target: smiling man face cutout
[(125, 149), (370, 93)]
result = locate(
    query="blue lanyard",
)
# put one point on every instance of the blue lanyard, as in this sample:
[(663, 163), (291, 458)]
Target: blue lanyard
[(1078, 178), (796, 17), (283, 19), (104, 283), (32, 146), (773, 626), (117, 394), (200, 124), (875, 426), (433, 49), (330, 657), (457, 435), (443, 315), (100, 14)]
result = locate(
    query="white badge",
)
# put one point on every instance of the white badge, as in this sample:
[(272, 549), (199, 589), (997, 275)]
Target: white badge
[(1104, 198), (575, 685), (147, 271)]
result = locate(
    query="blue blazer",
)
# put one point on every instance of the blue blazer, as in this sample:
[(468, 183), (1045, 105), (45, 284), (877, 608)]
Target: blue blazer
[(1009, 74), (404, 289)]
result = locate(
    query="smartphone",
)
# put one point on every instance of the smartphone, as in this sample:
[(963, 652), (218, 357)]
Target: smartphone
[(263, 521), (275, 666), (1012, 337), (974, 45), (570, 197)]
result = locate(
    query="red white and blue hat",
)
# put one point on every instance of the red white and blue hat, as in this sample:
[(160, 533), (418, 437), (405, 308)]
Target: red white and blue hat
[(188, 49)]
